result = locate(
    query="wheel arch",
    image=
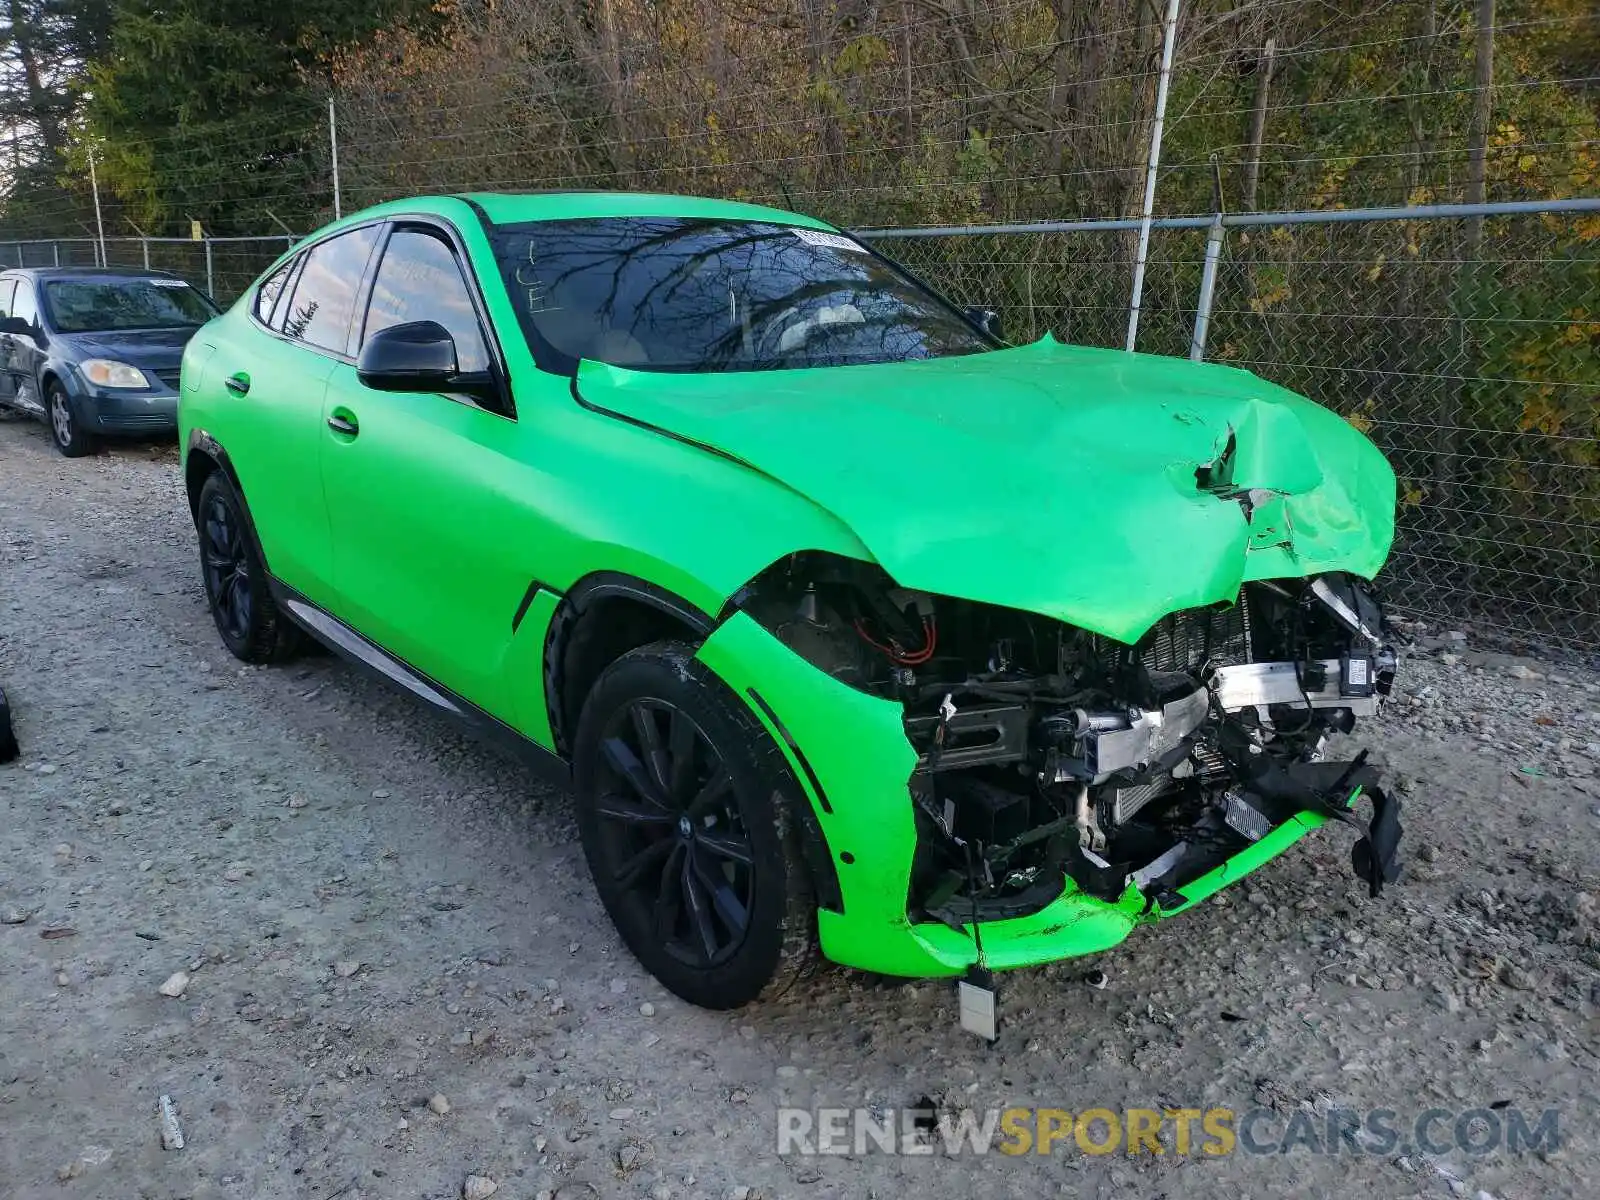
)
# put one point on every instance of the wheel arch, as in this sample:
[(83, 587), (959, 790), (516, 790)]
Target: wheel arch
[(599, 619), (204, 457), (605, 615)]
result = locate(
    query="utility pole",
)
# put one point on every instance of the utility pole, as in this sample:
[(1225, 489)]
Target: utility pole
[(100, 228), (333, 145), (1169, 36)]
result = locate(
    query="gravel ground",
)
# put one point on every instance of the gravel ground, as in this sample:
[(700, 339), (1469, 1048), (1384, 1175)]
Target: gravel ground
[(375, 912)]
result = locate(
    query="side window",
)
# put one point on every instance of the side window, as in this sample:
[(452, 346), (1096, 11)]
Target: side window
[(23, 306), (325, 295), (7, 287), (267, 295), (420, 280)]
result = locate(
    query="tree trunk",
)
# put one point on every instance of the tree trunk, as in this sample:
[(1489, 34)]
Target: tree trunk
[(1417, 107), (1482, 109), (1258, 127), (908, 129), (611, 49), (1456, 391)]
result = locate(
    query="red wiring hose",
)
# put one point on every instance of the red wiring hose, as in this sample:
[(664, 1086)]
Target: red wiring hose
[(905, 658)]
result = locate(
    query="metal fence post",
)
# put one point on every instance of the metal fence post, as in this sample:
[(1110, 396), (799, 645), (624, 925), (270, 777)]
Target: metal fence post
[(211, 288), (1169, 38), (55, 254), (145, 242), (333, 150), (1208, 288)]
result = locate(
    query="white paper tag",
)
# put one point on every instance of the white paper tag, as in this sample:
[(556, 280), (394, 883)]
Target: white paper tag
[(834, 241), (977, 1010)]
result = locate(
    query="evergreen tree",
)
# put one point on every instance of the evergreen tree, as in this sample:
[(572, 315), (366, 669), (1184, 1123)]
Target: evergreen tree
[(214, 110)]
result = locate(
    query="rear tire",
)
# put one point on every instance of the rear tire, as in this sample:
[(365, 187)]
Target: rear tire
[(684, 808), (66, 431), (235, 578)]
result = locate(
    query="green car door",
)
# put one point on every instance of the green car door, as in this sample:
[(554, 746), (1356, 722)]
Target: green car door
[(420, 489), (270, 396)]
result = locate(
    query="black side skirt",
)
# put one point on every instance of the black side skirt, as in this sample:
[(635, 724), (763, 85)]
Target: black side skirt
[(362, 651)]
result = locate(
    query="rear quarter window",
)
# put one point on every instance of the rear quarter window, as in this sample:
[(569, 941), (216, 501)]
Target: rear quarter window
[(271, 289), (324, 297)]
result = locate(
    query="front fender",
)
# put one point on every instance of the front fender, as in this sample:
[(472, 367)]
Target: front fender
[(851, 755)]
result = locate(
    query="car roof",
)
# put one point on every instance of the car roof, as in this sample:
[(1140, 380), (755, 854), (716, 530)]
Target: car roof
[(502, 207), (43, 273), (512, 207)]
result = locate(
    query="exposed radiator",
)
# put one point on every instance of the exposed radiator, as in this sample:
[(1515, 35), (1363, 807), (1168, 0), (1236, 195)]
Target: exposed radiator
[(1182, 641)]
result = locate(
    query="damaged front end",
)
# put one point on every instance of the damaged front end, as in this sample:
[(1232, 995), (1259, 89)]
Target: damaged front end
[(1050, 758)]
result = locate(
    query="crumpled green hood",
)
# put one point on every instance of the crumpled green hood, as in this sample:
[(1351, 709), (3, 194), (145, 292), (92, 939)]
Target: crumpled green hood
[(1056, 479)]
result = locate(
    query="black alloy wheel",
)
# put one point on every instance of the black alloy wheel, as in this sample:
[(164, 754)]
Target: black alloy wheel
[(685, 806), (673, 833), (227, 566), (237, 588)]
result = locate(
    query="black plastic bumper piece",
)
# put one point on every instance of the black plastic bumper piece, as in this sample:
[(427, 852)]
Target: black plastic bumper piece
[(1376, 854), (8, 739), (1325, 787)]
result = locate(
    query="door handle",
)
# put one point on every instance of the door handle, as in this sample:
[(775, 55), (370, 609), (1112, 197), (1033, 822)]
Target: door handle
[(348, 426), (238, 383)]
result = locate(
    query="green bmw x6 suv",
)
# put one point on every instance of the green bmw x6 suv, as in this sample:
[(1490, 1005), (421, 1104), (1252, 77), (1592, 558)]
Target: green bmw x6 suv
[(853, 629)]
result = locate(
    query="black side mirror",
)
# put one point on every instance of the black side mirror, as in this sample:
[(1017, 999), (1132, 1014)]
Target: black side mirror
[(418, 356), (15, 325), (987, 320)]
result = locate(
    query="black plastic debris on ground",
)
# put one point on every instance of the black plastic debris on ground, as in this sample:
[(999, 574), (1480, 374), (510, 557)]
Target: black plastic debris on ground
[(8, 739)]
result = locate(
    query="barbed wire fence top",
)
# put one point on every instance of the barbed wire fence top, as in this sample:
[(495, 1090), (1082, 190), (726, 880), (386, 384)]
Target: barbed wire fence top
[(1001, 151)]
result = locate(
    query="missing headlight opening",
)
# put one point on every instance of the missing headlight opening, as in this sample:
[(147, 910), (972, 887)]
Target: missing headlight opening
[(1048, 753)]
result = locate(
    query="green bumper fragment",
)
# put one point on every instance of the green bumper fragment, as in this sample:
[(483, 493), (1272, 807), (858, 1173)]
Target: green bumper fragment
[(851, 756)]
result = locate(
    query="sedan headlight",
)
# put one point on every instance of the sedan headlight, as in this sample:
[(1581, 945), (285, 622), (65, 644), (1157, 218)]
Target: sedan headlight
[(106, 372)]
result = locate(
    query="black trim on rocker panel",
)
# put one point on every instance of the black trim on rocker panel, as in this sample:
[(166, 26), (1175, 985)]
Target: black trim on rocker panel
[(364, 652)]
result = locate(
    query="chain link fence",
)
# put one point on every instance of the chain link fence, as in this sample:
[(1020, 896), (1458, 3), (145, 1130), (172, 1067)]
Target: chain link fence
[(224, 267), (1465, 341)]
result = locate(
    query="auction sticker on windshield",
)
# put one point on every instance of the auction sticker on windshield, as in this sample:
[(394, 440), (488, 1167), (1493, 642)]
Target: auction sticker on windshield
[(834, 241)]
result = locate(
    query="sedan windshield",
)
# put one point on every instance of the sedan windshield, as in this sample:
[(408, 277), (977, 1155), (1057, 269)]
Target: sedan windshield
[(677, 294), (95, 305)]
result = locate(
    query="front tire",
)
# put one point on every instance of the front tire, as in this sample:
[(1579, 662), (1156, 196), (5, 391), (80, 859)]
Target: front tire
[(235, 578), (66, 431), (684, 809)]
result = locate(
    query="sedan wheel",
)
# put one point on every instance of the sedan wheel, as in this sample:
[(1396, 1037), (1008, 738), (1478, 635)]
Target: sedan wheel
[(685, 808), (65, 430)]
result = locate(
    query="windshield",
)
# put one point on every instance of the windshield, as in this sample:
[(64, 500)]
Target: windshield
[(95, 305), (676, 294)]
